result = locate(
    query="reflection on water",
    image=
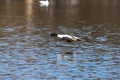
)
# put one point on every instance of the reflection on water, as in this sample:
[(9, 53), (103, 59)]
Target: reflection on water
[(28, 10), (28, 53)]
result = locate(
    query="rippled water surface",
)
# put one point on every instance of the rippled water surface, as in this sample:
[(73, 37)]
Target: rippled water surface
[(27, 52)]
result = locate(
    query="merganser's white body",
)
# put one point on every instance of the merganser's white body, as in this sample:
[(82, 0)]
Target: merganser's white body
[(66, 37)]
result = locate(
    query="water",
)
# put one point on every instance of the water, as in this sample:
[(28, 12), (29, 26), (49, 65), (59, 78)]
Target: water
[(27, 52)]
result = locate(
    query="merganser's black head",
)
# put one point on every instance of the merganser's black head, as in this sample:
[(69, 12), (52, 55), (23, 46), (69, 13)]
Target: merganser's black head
[(54, 34)]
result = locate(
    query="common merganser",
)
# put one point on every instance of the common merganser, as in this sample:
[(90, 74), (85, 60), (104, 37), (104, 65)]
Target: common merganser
[(65, 37)]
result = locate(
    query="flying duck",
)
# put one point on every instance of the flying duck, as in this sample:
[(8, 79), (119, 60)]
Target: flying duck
[(65, 37)]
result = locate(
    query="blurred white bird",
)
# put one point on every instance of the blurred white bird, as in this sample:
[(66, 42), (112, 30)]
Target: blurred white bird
[(44, 2), (65, 37)]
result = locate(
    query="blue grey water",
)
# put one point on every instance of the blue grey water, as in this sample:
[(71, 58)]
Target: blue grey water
[(27, 52)]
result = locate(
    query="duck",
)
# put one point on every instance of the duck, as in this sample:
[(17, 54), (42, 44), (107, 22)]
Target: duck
[(44, 2), (65, 37)]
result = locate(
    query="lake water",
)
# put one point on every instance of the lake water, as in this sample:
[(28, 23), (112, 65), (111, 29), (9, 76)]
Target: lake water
[(27, 52)]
